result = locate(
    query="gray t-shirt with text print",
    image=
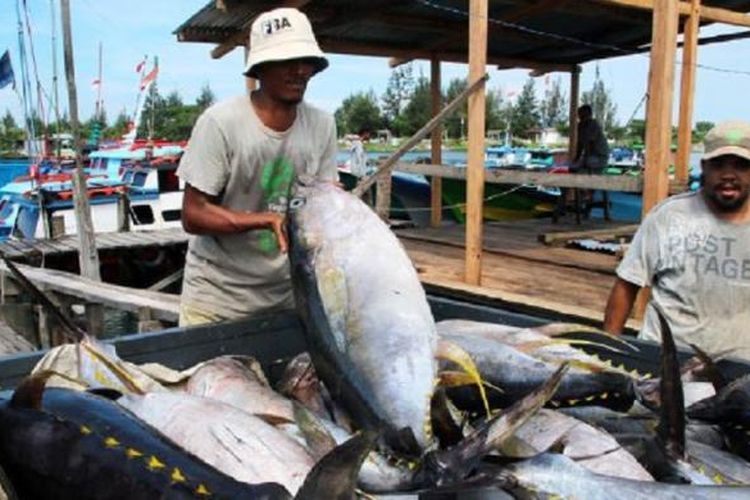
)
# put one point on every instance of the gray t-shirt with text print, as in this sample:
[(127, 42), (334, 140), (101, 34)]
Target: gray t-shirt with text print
[(698, 268), (250, 167)]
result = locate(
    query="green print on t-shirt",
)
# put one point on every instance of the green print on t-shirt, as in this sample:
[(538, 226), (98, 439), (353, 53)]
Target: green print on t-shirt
[(275, 181)]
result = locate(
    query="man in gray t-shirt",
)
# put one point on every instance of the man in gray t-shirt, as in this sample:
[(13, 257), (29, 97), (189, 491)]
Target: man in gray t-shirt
[(693, 250), (242, 158)]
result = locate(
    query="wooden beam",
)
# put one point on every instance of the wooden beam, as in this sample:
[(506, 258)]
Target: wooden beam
[(386, 166), (164, 306), (512, 16), (436, 183), (575, 84), (658, 116), (241, 37), (539, 67), (687, 93), (659, 110), (562, 237), (708, 14), (478, 13), (624, 183)]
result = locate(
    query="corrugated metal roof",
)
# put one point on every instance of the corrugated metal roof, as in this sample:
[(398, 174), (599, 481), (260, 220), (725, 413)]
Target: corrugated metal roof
[(563, 32)]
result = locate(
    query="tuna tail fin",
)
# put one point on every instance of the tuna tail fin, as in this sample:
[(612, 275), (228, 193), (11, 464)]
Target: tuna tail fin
[(29, 392), (335, 476), (711, 370), (455, 464), (671, 429)]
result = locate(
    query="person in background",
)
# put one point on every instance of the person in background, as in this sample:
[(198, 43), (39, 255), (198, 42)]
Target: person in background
[(358, 156), (243, 156), (592, 150), (693, 251)]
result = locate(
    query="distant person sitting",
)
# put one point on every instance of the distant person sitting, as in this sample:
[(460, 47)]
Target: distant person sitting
[(358, 156), (592, 150)]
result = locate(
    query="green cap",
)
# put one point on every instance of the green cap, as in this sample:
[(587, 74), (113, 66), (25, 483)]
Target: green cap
[(728, 138)]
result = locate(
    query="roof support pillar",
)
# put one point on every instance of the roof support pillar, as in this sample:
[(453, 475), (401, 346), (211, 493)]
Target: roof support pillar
[(436, 182), (575, 85), (478, 12), (687, 93), (659, 110)]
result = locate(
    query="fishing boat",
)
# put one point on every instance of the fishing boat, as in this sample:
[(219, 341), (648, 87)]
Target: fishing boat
[(142, 174)]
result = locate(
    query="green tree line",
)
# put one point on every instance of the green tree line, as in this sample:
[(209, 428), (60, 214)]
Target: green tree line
[(405, 107), (166, 118)]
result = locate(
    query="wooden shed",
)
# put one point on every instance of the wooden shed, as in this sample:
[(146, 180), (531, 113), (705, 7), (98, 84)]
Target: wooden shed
[(541, 35)]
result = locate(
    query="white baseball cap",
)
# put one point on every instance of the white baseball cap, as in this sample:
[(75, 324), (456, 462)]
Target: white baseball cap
[(281, 35)]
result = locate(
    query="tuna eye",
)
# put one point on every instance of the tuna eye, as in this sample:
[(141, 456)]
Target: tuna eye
[(297, 203)]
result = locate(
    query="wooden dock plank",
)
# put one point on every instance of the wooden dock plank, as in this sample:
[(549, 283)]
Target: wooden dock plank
[(163, 306), (517, 239), (19, 249), (518, 269)]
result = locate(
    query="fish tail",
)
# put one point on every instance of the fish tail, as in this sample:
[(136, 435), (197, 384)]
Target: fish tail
[(456, 354), (336, 474)]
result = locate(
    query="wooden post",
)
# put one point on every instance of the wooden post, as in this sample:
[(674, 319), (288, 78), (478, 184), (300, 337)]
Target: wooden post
[(687, 90), (659, 110), (123, 212), (659, 114), (436, 182), (45, 329), (475, 159), (383, 196), (575, 89), (87, 255)]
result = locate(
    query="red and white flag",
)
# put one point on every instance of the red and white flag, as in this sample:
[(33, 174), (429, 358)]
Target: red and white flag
[(140, 65), (150, 77), (95, 83)]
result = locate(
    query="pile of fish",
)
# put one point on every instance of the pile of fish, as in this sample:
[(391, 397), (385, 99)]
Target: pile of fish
[(386, 401)]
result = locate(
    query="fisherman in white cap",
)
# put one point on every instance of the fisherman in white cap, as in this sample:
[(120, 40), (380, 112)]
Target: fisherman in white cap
[(693, 251), (242, 158)]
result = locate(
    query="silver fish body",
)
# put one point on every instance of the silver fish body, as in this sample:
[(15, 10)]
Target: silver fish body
[(371, 333)]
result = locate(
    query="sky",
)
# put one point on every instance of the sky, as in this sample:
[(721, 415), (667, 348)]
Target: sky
[(129, 30)]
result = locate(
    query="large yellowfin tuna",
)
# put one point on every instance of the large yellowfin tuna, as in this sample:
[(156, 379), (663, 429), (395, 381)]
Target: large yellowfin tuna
[(369, 327)]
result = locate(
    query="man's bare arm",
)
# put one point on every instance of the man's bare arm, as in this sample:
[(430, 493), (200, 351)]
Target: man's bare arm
[(619, 305), (202, 214)]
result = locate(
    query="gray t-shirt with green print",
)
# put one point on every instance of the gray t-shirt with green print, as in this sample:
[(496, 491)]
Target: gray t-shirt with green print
[(231, 154)]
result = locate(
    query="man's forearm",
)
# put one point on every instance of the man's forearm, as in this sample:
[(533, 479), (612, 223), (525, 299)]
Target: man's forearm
[(619, 305)]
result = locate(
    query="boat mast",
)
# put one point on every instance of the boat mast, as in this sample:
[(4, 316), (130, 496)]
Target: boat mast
[(56, 97), (26, 88), (99, 105)]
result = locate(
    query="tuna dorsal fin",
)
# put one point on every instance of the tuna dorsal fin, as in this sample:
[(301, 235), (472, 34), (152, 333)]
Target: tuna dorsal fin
[(711, 370), (334, 477), (29, 392), (671, 429), (452, 465)]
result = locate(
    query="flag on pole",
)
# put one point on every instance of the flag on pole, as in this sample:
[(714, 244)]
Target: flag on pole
[(6, 71), (150, 77), (140, 65), (95, 83)]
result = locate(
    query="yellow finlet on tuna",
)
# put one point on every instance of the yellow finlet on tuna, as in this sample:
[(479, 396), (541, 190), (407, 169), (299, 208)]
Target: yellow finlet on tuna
[(154, 463), (450, 351)]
